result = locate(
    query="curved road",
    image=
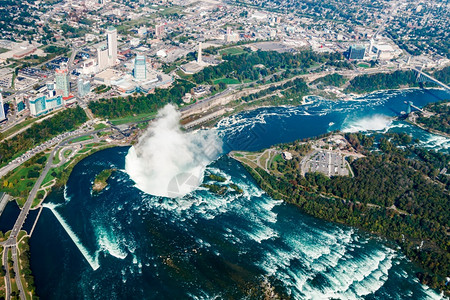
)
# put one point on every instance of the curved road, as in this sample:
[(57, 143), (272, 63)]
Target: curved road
[(12, 240)]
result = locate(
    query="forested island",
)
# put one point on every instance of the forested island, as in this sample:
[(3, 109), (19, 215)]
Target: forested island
[(101, 180), (398, 191), (440, 118)]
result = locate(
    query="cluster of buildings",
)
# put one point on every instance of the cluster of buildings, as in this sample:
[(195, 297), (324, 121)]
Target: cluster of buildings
[(373, 51), (54, 95), (134, 64)]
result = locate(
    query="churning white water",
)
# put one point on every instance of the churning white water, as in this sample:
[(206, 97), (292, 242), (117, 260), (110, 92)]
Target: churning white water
[(169, 162), (375, 122)]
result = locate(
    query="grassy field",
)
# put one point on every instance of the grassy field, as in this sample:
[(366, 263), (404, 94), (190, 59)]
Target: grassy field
[(363, 65), (18, 127), (227, 81), (20, 181), (3, 50), (67, 153), (232, 51), (170, 11), (100, 126), (81, 139), (56, 157), (132, 119)]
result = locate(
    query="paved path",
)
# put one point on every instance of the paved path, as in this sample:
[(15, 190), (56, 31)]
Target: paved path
[(17, 273), (12, 240), (7, 279)]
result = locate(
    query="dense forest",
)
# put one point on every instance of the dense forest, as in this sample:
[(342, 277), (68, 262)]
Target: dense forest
[(397, 192), (331, 79), (244, 66), (128, 106), (443, 75), (385, 81), (440, 120), (381, 81), (38, 133), (294, 88)]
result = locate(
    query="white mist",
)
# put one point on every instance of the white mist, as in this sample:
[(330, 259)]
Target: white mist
[(375, 122), (169, 162)]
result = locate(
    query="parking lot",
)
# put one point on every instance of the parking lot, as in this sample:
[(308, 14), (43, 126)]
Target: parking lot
[(326, 162)]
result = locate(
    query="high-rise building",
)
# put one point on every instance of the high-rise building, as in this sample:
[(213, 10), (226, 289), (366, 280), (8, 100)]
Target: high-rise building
[(370, 46), (51, 88), (42, 104), (2, 109), (159, 30), (102, 58), (111, 33), (62, 86), (356, 52), (140, 68), (37, 106), (231, 36), (84, 87)]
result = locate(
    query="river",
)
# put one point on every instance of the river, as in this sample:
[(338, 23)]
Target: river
[(123, 243)]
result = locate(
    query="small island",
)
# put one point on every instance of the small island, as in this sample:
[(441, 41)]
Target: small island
[(100, 182), (220, 189)]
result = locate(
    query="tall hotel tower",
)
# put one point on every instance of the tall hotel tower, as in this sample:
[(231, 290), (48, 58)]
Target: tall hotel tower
[(111, 32)]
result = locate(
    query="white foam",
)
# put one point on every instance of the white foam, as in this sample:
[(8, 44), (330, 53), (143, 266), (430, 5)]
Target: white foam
[(93, 261), (168, 162), (375, 123), (109, 242)]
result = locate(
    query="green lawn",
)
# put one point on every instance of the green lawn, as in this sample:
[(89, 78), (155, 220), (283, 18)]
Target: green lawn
[(363, 65), (227, 81), (18, 127), (67, 153), (38, 198), (232, 51), (18, 184), (132, 119), (81, 139), (100, 126), (3, 50), (278, 158), (56, 157)]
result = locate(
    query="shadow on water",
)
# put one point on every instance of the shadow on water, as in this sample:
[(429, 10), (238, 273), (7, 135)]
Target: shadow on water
[(9, 216)]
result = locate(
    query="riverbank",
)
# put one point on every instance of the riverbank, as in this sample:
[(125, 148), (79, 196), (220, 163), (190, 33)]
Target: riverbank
[(298, 177), (216, 114)]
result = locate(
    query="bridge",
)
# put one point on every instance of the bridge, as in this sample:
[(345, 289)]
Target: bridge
[(424, 77)]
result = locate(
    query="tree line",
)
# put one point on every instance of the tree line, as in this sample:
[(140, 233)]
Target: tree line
[(381, 81), (119, 107), (397, 191), (255, 65), (38, 133), (440, 120)]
